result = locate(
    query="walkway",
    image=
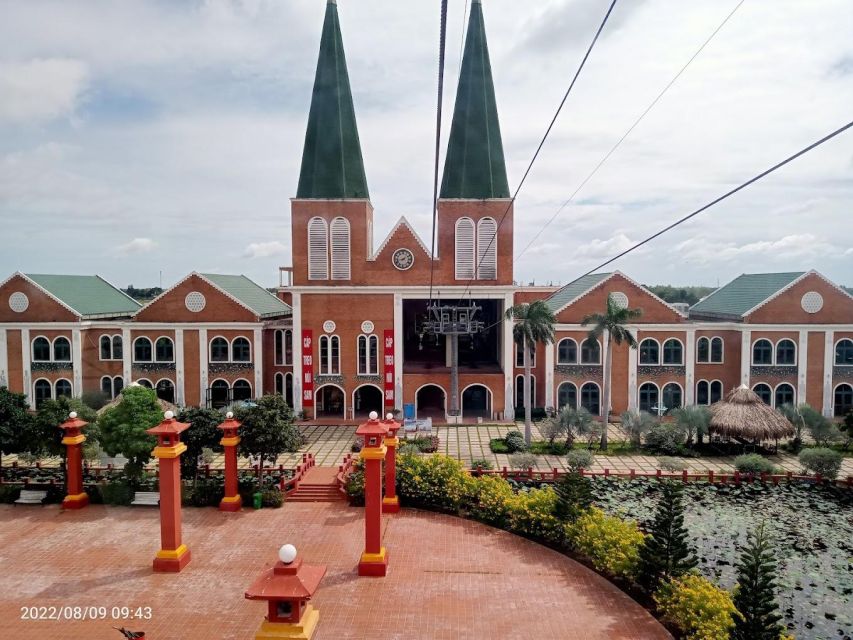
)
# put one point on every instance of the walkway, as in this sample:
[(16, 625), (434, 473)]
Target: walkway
[(449, 578)]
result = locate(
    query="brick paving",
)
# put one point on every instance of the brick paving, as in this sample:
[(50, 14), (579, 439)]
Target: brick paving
[(448, 578)]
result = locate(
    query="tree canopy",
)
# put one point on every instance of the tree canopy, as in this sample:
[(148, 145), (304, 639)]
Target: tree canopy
[(123, 427)]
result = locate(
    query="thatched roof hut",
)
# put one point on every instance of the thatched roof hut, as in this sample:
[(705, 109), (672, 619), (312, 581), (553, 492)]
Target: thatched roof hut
[(744, 415)]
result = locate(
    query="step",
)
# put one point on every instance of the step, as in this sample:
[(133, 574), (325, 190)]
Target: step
[(296, 498)]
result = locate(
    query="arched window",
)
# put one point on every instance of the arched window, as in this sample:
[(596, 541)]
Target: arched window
[(843, 400), (519, 356), (107, 386), (330, 355), (219, 394), (590, 352), (241, 390), (716, 391), (764, 392), (118, 385), (786, 352), (142, 350), (673, 352), (703, 392), (166, 390), (340, 249), (318, 249), (567, 395), (241, 350), (784, 395), (41, 350), (649, 397), (118, 348), (464, 249), (671, 397), (716, 350), (703, 350), (844, 352), (487, 249), (591, 398), (219, 349), (519, 391), (288, 389), (165, 350), (62, 388), (62, 350), (41, 391), (106, 343), (368, 355), (762, 352), (279, 384), (649, 352), (288, 347), (142, 382), (567, 351)]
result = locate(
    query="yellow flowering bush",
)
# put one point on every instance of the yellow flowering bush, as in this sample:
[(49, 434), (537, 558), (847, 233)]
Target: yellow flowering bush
[(612, 544), (531, 513), (437, 480), (489, 499), (698, 608)]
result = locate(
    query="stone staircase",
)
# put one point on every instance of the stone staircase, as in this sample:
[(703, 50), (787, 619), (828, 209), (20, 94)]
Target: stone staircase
[(319, 485)]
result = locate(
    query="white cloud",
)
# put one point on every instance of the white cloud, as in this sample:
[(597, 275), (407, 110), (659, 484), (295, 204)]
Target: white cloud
[(788, 248), (136, 246), (39, 90), (265, 249), (598, 249)]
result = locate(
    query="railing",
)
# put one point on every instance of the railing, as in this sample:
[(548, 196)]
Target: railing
[(710, 476), (292, 484), (344, 470)]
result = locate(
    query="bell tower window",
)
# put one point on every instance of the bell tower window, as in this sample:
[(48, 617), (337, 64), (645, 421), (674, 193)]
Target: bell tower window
[(318, 249)]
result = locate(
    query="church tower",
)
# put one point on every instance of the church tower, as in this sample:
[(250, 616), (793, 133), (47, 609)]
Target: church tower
[(331, 216), (474, 190)]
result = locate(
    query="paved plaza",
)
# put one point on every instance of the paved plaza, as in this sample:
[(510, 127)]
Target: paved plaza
[(448, 578)]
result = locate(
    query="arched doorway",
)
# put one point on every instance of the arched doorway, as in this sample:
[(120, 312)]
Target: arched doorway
[(430, 402), (365, 399), (330, 402), (477, 402), (219, 392), (166, 390)]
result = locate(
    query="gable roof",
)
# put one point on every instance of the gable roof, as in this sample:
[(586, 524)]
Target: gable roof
[(402, 222), (744, 293), (251, 295), (87, 296), (574, 290)]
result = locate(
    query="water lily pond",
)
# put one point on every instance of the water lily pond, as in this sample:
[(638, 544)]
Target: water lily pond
[(813, 531)]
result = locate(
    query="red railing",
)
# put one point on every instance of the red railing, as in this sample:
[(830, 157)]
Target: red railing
[(292, 484), (344, 469)]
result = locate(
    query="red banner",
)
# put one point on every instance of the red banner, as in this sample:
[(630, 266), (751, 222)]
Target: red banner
[(307, 369), (389, 368)]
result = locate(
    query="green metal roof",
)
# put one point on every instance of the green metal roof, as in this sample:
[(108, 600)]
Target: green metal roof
[(743, 293), (567, 294), (332, 166), (254, 296), (89, 296), (474, 166)]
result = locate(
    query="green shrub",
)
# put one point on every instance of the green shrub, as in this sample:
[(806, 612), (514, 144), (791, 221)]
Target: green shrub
[(531, 514), (482, 463), (665, 437), (612, 544), (208, 492), (574, 496), (498, 445), (489, 500), (9, 493), (754, 463), (55, 494), (355, 487), (696, 607), (515, 442), (437, 480), (671, 464), (94, 493), (578, 459), (118, 492), (819, 460), (272, 498), (408, 449), (522, 460)]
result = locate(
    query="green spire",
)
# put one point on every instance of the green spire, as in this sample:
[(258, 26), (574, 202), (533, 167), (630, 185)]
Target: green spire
[(332, 166), (474, 166)]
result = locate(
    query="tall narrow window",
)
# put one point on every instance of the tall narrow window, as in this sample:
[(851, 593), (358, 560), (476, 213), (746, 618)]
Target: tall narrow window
[(106, 348), (519, 356), (41, 350), (63, 389), (591, 398), (41, 392), (649, 352), (118, 385), (762, 352), (219, 350), (716, 391), (318, 250), (844, 352), (164, 350), (567, 351), (567, 395), (673, 352), (279, 350), (487, 249), (288, 347), (324, 355), (671, 397), (241, 350), (107, 386), (62, 350), (784, 395), (590, 352), (843, 400), (703, 392), (649, 398), (717, 350), (368, 355), (786, 352), (703, 350), (340, 249), (142, 350), (330, 355), (464, 249), (279, 384)]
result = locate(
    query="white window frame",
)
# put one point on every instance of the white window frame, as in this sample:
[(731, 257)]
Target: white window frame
[(367, 338), (33, 349), (462, 270), (577, 393), (154, 350), (776, 353), (210, 350), (776, 389), (672, 364), (835, 353), (340, 249), (577, 351), (640, 353), (56, 383), (326, 368), (600, 354), (231, 349), (487, 250), (600, 395), (772, 353), (50, 395), (835, 391), (133, 352), (53, 349), (318, 252)]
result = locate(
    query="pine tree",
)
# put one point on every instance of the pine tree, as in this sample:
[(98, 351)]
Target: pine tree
[(666, 552), (574, 496), (755, 596)]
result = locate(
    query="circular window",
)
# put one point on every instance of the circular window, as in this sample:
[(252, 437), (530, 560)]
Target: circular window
[(195, 301), (367, 326), (18, 302), (329, 326), (619, 299), (812, 302), (403, 259)]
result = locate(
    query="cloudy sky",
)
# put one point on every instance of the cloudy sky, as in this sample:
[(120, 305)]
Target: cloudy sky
[(165, 135)]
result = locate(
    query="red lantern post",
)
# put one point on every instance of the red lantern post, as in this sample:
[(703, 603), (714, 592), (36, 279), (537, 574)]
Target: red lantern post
[(230, 440), (73, 441), (374, 560), (173, 555), (391, 503)]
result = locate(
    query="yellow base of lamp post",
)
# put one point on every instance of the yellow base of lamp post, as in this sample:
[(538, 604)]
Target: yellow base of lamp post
[(76, 501), (302, 630)]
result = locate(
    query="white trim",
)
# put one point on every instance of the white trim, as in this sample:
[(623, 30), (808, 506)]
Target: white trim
[(600, 398), (76, 360), (577, 351), (257, 360), (464, 274), (835, 390), (296, 318), (171, 382), (26, 366), (772, 394), (398, 352), (633, 364), (329, 360), (802, 355), (745, 356), (32, 349), (640, 348), (317, 258), (400, 223), (276, 376), (110, 337), (431, 384), (33, 391), (835, 349), (126, 354), (712, 326), (549, 375), (491, 408), (45, 292), (603, 281), (133, 346), (231, 348), (417, 292), (640, 390), (202, 367), (788, 286), (210, 349), (4, 359), (680, 389), (336, 386), (344, 262), (828, 363), (557, 394), (796, 352), (248, 382), (663, 348), (180, 397), (508, 348), (367, 337), (70, 342), (784, 384), (532, 390), (111, 392), (57, 381), (154, 352), (690, 367)]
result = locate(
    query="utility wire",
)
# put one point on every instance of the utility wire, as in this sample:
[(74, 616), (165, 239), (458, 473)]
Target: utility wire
[(539, 148), (628, 132)]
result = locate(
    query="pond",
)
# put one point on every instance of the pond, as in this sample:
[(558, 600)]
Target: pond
[(812, 528)]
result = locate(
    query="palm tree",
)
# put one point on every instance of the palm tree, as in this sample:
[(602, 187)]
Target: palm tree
[(534, 324), (612, 325)]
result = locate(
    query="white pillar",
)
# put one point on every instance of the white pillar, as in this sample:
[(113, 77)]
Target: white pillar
[(203, 349), (828, 363), (690, 368), (126, 355), (549, 375), (76, 363), (180, 371), (508, 361), (802, 366), (296, 319), (25, 364), (4, 360), (745, 355), (633, 360), (259, 363), (398, 351)]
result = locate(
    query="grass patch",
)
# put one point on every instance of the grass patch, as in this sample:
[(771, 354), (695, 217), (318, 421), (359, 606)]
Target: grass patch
[(498, 445), (543, 447)]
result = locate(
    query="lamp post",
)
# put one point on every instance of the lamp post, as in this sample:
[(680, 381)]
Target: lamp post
[(374, 559), (391, 503), (173, 555), (73, 441), (232, 500)]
